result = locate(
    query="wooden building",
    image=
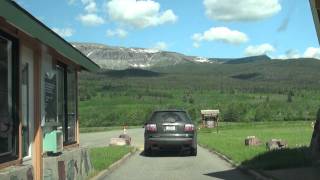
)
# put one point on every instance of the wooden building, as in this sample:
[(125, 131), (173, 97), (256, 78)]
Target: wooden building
[(210, 118), (315, 140), (38, 89), (315, 8)]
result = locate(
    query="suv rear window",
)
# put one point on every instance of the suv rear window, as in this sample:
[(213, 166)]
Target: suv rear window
[(170, 116)]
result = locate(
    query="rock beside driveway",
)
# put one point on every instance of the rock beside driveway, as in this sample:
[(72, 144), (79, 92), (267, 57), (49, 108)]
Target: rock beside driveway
[(252, 141), (122, 140), (126, 137), (275, 144), (117, 142)]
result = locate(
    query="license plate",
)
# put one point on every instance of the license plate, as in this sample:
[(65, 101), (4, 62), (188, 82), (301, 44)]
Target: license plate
[(170, 128)]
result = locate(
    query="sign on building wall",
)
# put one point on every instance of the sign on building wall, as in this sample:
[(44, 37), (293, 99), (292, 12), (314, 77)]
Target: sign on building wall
[(50, 85)]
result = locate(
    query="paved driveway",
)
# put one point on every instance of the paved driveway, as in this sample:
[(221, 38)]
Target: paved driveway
[(100, 139), (165, 165)]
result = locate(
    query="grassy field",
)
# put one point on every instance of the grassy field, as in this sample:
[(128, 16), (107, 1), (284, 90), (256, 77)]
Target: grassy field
[(277, 91), (133, 105), (103, 157), (230, 142)]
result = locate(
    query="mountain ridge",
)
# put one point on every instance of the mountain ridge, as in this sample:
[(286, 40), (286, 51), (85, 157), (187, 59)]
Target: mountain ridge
[(117, 58), (120, 58)]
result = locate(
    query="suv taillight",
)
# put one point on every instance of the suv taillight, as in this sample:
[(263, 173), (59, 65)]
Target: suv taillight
[(188, 127), (151, 127)]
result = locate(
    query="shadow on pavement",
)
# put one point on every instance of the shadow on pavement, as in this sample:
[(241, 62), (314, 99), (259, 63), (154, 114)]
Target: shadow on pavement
[(281, 159), (309, 173), (232, 174)]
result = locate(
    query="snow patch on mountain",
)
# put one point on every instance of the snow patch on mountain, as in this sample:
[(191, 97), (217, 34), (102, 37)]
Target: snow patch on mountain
[(140, 65), (144, 50), (202, 60), (111, 57), (90, 53)]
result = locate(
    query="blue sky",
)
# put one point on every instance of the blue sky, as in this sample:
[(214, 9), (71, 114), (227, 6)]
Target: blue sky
[(208, 28)]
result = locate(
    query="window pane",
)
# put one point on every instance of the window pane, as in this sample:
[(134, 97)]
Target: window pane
[(50, 83), (169, 116), (25, 109), (6, 122), (72, 97), (61, 101)]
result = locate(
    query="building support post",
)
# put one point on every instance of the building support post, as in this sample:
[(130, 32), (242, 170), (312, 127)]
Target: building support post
[(315, 141), (37, 150), (77, 113)]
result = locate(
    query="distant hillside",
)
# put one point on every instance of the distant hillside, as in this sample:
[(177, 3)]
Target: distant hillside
[(130, 73), (139, 62), (300, 73), (249, 90), (241, 60), (249, 59)]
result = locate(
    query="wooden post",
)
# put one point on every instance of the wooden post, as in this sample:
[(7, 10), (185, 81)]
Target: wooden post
[(19, 104), (77, 113), (315, 5), (37, 145), (217, 124)]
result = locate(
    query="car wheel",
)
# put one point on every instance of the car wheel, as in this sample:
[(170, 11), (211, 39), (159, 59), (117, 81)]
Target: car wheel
[(193, 152), (147, 151)]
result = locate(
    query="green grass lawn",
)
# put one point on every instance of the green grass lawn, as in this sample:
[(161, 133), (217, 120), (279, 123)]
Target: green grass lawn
[(230, 142), (103, 157)]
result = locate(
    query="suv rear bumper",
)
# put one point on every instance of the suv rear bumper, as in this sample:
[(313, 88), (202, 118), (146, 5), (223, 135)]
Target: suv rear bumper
[(162, 142)]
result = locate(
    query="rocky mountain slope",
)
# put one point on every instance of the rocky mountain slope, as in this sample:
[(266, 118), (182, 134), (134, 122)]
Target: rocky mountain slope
[(118, 58)]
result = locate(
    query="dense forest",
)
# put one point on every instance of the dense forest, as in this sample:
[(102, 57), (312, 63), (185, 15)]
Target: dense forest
[(255, 90)]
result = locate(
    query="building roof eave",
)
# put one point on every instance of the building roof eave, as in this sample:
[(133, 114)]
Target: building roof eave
[(19, 17)]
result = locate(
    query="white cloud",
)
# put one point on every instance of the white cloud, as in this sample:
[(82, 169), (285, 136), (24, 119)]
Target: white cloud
[(141, 14), (86, 1), (292, 54), (91, 7), (70, 2), (196, 45), (259, 49), (160, 46), (120, 33), (223, 34), (64, 32), (312, 52), (91, 19), (282, 56), (241, 10)]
